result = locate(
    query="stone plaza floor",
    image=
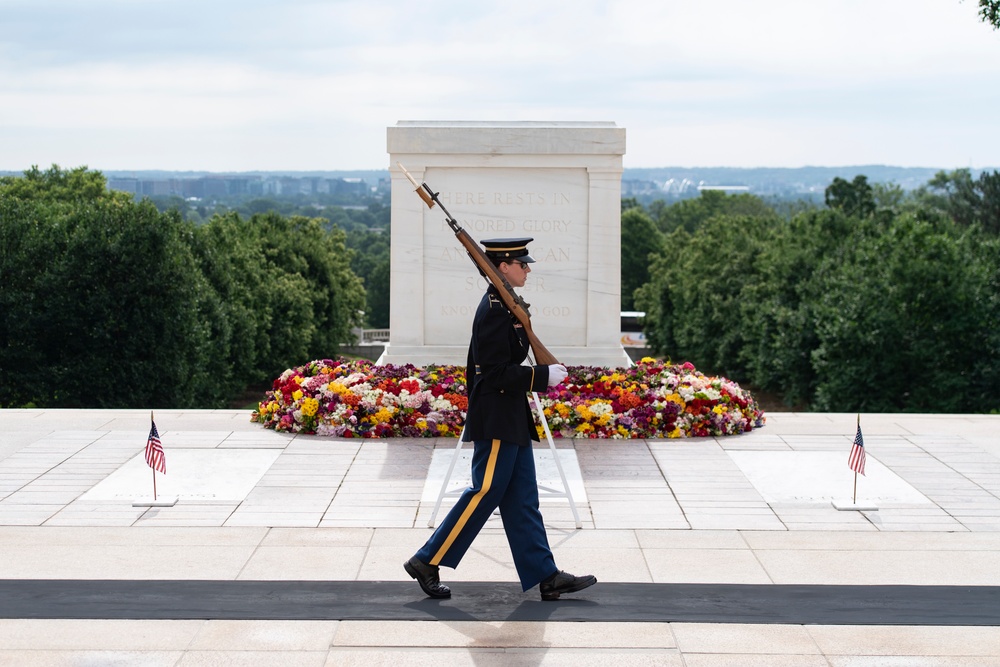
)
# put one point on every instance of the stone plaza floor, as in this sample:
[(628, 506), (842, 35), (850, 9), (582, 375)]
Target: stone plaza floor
[(678, 529)]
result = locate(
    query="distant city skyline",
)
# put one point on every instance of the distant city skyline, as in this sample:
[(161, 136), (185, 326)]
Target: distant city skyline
[(246, 86), (810, 182)]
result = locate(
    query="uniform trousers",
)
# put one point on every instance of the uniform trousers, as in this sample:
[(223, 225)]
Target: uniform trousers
[(503, 475)]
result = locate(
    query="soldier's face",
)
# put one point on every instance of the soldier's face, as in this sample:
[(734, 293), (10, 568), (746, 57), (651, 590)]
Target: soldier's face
[(515, 272)]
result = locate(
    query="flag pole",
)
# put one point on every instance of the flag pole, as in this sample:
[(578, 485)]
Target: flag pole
[(153, 421), (855, 497)]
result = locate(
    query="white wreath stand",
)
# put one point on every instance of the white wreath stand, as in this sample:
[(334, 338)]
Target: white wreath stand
[(547, 491)]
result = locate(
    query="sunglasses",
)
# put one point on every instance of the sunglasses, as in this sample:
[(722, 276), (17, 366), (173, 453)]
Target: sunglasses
[(523, 265)]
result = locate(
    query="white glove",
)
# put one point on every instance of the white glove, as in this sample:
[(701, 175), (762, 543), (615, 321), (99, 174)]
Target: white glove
[(557, 373)]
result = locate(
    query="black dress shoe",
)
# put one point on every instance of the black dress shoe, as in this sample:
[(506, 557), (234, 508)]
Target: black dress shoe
[(564, 582), (427, 577)]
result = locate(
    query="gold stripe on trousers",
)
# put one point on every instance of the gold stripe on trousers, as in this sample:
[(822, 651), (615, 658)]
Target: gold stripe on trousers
[(473, 503)]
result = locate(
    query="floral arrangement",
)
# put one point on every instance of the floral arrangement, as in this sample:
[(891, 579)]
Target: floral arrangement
[(358, 399)]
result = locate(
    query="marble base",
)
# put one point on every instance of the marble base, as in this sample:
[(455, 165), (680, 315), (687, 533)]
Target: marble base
[(808, 477), (442, 355), (850, 505), (201, 475), (160, 501)]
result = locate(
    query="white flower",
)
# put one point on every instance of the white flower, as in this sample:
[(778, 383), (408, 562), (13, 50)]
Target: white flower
[(710, 394), (441, 405), (600, 408)]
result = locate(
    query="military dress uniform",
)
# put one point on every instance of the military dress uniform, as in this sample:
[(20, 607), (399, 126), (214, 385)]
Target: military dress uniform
[(500, 426)]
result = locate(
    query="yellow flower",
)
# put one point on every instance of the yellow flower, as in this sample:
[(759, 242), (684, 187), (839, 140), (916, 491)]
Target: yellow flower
[(339, 388), (719, 409), (297, 394), (676, 433), (310, 406)]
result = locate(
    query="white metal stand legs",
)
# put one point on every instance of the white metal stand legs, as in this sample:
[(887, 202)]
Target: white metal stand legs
[(543, 491)]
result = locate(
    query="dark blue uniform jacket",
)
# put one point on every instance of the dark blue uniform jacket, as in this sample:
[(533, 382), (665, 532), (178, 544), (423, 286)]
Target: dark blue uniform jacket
[(498, 384)]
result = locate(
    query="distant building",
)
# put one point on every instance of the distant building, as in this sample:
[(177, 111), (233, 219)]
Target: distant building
[(221, 185), (630, 188), (130, 185), (725, 188)]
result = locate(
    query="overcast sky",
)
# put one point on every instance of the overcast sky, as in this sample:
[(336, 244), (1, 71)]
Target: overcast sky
[(239, 85)]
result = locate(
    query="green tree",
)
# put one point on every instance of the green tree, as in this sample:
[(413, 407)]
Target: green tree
[(370, 262), (230, 257), (891, 312), (255, 206), (101, 302), (693, 301), (989, 12), (630, 202), (105, 302), (316, 299), (854, 198), (689, 214), (640, 240), (778, 308), (903, 321), (60, 186), (953, 193), (286, 288), (966, 200), (988, 186)]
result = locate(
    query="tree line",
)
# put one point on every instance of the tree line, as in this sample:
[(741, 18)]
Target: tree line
[(109, 302), (879, 301), (876, 300)]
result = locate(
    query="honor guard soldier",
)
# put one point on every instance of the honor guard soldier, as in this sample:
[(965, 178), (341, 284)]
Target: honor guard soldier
[(501, 428)]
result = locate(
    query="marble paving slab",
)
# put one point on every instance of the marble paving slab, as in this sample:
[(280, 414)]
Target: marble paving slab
[(545, 471), (192, 474), (822, 477)]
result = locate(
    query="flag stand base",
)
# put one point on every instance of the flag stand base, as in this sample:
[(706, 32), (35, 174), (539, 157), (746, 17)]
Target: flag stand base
[(159, 502), (847, 505)]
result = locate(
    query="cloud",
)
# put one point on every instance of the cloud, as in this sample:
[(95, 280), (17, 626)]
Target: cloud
[(319, 81)]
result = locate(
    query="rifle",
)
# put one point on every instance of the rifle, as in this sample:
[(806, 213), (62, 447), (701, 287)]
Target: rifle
[(515, 304)]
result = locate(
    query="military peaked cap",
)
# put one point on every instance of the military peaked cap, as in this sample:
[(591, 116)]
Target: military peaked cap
[(508, 250)]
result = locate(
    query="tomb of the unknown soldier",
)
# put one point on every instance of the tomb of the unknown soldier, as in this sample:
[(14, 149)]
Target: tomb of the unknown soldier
[(718, 535)]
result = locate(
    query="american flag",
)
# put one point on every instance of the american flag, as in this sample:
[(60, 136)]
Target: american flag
[(154, 451), (857, 460)]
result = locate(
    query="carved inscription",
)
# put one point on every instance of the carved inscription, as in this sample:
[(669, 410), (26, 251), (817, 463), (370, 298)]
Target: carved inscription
[(505, 198), (554, 216)]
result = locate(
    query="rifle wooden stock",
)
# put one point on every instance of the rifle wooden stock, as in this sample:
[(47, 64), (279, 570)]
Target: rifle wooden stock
[(515, 304)]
